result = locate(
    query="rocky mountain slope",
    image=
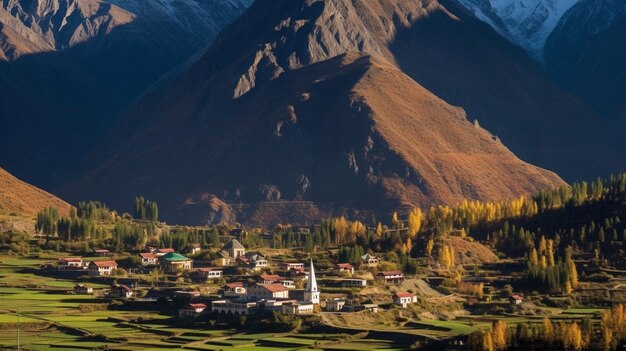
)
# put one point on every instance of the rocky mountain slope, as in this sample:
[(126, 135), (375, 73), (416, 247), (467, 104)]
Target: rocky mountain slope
[(526, 23), (586, 54), (21, 199), (303, 105), (69, 68)]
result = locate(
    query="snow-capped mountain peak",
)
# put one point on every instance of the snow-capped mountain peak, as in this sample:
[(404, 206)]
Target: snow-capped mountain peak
[(526, 23)]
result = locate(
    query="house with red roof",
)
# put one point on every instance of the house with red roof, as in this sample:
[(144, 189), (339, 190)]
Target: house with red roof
[(267, 291), (101, 268), (70, 264), (404, 299), (345, 267), (149, 259), (192, 310), (390, 277), (236, 289), (119, 291)]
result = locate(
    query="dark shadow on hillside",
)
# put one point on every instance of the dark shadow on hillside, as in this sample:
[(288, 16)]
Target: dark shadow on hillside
[(465, 62)]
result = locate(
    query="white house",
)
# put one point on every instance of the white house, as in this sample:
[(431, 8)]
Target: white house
[(345, 267), (208, 273), (392, 277), (70, 264), (296, 266), (267, 291), (368, 260), (149, 259), (234, 290), (120, 292), (404, 299), (353, 283), (236, 308), (101, 268), (81, 289), (335, 305), (192, 310), (297, 308)]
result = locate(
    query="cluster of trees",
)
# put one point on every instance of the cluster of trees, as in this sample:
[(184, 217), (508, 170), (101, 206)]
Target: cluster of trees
[(14, 242), (613, 188), (551, 275), (476, 290), (92, 211), (145, 209), (446, 256), (47, 221), (565, 335), (351, 254), (613, 327)]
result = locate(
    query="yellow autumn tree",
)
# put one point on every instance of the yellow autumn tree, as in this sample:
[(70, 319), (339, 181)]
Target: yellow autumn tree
[(548, 330), (500, 331), (429, 247), (572, 337), (379, 230), (415, 222)]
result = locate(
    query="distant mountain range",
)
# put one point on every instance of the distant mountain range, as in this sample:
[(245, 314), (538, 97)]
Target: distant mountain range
[(307, 108)]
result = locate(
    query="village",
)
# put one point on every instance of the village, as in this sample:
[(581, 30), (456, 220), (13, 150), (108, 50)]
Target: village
[(249, 283)]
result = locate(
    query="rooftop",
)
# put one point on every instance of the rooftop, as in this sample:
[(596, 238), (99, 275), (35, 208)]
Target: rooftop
[(104, 263), (175, 257)]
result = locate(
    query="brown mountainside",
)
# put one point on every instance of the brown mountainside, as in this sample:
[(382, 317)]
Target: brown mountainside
[(301, 105), (22, 199)]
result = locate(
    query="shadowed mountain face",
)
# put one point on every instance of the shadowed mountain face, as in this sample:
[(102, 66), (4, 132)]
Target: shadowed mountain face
[(586, 53), (68, 68), (300, 108)]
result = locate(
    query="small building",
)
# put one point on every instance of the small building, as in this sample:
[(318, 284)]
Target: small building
[(234, 308), (369, 261), (267, 291), (516, 299), (290, 266), (404, 299), (102, 252), (101, 268), (297, 308), (345, 267), (335, 305), (268, 278), (360, 308), (207, 273), (119, 291), (70, 264), (234, 290), (353, 283), (390, 277), (192, 310), (149, 259), (234, 249), (287, 283), (174, 262), (194, 249), (81, 289)]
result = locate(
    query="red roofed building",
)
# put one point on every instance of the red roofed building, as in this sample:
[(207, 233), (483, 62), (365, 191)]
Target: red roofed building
[(234, 290), (392, 277), (102, 252), (345, 267), (404, 299), (70, 263), (192, 310), (517, 299), (119, 291), (268, 278), (149, 259), (267, 291), (101, 268)]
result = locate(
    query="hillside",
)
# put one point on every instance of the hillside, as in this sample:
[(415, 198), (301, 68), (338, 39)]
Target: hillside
[(22, 199), (278, 117), (70, 68)]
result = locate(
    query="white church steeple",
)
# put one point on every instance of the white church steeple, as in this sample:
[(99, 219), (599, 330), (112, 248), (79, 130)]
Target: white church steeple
[(312, 293)]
